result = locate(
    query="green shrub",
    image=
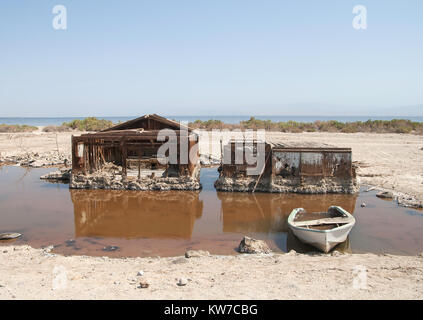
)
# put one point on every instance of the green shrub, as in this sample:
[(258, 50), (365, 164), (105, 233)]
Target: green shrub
[(61, 128), (375, 126), (12, 128), (88, 124)]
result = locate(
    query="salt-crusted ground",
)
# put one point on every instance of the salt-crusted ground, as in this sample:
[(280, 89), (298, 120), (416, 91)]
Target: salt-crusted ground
[(27, 273)]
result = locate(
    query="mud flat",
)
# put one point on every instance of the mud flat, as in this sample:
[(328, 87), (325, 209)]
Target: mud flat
[(388, 161), (27, 273)]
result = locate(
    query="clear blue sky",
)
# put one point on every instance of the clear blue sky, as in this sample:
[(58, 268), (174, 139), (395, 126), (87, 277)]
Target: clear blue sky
[(210, 57)]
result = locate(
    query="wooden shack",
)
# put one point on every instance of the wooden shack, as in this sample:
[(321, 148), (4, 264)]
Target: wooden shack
[(126, 156)]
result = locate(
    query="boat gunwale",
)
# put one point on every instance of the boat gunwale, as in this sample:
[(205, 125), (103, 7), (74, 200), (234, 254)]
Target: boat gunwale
[(345, 226)]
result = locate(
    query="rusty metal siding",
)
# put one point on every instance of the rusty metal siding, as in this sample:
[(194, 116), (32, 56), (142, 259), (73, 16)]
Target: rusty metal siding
[(311, 164), (286, 163), (326, 163), (338, 164)]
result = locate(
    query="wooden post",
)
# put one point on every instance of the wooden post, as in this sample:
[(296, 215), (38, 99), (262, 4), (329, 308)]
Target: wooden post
[(139, 164), (264, 169), (124, 156)]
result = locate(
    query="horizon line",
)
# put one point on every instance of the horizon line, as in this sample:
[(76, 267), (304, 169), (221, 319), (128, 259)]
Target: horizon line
[(205, 115)]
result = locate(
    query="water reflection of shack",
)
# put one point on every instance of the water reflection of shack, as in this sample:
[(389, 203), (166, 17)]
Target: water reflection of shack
[(266, 213), (126, 214)]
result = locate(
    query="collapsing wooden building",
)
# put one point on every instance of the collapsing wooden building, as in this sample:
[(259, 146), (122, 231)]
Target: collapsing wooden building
[(129, 156), (288, 167)]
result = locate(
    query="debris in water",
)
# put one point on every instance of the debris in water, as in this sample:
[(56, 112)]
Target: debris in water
[(409, 202), (70, 242), (370, 189), (385, 195), (59, 175), (9, 235), (110, 248)]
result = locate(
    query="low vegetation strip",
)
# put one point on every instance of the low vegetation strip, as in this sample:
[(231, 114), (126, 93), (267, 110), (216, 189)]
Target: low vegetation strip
[(371, 126), (61, 128), (374, 126), (13, 128), (88, 124)]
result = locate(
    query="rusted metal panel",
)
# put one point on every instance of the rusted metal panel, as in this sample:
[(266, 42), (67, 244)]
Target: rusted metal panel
[(286, 163), (338, 164), (311, 164)]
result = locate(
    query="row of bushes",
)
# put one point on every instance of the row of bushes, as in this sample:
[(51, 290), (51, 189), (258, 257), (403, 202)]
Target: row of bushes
[(211, 124), (11, 128), (87, 124), (377, 126)]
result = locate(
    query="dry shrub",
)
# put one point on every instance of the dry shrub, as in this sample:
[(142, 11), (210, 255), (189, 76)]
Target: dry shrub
[(89, 124), (13, 128), (375, 126), (61, 128)]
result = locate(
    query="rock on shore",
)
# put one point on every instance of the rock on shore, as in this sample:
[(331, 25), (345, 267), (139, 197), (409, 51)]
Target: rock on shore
[(250, 245)]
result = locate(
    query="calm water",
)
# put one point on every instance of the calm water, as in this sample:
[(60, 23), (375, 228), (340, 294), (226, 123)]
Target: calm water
[(168, 223), (227, 119)]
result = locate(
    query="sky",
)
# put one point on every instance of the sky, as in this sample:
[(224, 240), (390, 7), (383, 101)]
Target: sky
[(210, 57)]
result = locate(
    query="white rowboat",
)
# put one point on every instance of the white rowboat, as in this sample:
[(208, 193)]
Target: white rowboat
[(324, 233)]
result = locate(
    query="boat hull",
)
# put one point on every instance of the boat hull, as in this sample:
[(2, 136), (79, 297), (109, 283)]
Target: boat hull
[(324, 240)]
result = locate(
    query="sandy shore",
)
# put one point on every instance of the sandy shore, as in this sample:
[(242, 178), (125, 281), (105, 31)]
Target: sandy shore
[(27, 273), (388, 161)]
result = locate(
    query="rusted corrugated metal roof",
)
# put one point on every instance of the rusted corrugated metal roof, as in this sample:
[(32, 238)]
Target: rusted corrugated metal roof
[(283, 143), (279, 142)]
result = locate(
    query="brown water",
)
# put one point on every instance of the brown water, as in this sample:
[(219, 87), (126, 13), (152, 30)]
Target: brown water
[(169, 223)]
